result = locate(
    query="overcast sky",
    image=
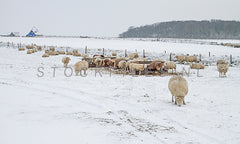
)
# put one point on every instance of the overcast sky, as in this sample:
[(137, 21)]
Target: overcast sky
[(106, 17)]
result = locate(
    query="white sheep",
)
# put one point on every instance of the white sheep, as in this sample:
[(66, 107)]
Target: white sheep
[(132, 56), (221, 62), (98, 62), (158, 60), (191, 58), (170, 65), (69, 53), (82, 65), (45, 55), (137, 67), (21, 49), (85, 56), (61, 52), (127, 66), (30, 51), (178, 87), (114, 54), (140, 59), (180, 58), (222, 69), (65, 61), (29, 46), (196, 66), (122, 65), (52, 48)]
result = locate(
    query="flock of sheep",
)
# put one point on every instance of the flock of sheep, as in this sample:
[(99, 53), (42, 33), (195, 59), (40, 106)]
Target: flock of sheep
[(177, 85)]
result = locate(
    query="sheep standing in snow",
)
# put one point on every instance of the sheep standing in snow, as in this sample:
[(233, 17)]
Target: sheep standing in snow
[(140, 59), (191, 58), (117, 60), (82, 65), (29, 46), (221, 62), (39, 48), (170, 65), (65, 61), (122, 65), (222, 69), (180, 58), (61, 52), (114, 54), (156, 66), (45, 55), (30, 51), (21, 49), (47, 51), (196, 66), (137, 67), (178, 87), (98, 62), (128, 66), (52, 48), (53, 53), (69, 53), (132, 56), (85, 56), (158, 60)]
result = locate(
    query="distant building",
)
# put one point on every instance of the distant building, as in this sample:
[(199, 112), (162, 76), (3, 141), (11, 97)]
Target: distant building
[(14, 34), (34, 32), (31, 34)]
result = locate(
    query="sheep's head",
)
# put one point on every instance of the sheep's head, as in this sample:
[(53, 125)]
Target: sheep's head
[(222, 67), (179, 100)]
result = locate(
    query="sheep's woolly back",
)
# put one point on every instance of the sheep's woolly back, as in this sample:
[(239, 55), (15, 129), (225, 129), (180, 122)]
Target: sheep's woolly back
[(81, 65), (178, 86), (122, 64), (221, 62), (180, 58), (170, 65), (159, 60), (45, 55), (114, 54), (197, 66), (132, 56)]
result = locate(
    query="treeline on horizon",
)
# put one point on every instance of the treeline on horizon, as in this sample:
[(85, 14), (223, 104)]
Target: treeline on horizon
[(213, 29)]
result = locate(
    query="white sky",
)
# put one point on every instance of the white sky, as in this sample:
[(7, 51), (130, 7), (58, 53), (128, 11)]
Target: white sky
[(106, 17)]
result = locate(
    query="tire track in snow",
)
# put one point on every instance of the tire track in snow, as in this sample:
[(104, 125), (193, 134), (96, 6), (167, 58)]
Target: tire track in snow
[(194, 131)]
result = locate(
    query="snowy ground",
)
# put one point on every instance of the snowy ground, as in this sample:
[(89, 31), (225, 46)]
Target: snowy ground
[(113, 109)]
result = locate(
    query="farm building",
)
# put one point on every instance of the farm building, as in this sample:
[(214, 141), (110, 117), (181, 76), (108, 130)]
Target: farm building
[(34, 32), (14, 34)]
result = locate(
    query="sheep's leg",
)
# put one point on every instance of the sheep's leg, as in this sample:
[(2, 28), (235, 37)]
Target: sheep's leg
[(172, 98), (84, 71), (76, 73)]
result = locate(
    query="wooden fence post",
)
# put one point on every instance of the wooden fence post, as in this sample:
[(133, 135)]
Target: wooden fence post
[(200, 57), (209, 54), (103, 51), (125, 53), (231, 59), (170, 57), (143, 53), (86, 50)]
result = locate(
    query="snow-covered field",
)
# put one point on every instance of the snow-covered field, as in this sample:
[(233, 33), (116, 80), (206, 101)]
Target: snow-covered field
[(114, 109)]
